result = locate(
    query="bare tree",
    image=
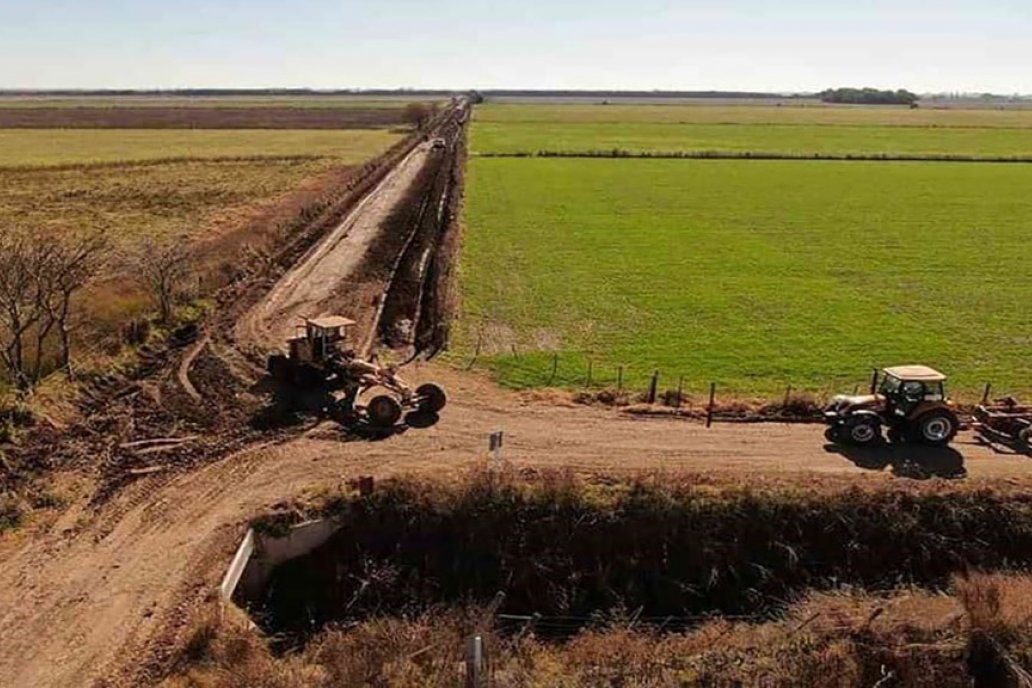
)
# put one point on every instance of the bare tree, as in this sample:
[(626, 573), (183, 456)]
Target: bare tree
[(164, 266), (74, 262), (40, 273), (419, 114)]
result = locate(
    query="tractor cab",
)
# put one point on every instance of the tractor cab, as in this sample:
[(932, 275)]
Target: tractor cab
[(318, 339), (906, 388)]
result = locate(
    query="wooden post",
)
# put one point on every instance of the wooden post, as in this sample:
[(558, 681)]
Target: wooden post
[(619, 379), (555, 367), (788, 393), (680, 391), (988, 391), (653, 387), (712, 400)]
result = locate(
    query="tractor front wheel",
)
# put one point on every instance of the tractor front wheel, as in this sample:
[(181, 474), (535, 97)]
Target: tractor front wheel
[(384, 411), (863, 431), (832, 434), (936, 428)]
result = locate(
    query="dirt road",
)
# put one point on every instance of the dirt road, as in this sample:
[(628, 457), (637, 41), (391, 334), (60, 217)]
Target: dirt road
[(312, 288)]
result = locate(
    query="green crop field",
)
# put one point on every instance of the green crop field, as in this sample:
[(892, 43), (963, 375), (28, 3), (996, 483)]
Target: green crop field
[(550, 113), (777, 139), (509, 129), (755, 274), (37, 147)]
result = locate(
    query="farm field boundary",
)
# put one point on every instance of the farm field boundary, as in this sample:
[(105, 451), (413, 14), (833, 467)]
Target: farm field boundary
[(760, 155)]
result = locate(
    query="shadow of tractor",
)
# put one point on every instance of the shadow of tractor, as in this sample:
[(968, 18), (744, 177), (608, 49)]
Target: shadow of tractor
[(915, 461)]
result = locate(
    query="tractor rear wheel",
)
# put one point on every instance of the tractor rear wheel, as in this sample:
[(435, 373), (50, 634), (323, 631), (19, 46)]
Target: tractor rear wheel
[(863, 431), (431, 397), (384, 411), (936, 428)]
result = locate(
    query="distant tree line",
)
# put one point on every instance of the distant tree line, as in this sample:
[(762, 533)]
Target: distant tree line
[(868, 96)]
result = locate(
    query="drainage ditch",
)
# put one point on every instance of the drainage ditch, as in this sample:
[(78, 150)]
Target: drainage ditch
[(575, 553)]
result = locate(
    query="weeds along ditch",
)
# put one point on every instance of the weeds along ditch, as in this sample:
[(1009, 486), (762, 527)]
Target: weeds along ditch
[(652, 548)]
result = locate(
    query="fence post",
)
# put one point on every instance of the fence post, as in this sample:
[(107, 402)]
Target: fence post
[(988, 391), (788, 393), (555, 367), (475, 662), (712, 400), (653, 387)]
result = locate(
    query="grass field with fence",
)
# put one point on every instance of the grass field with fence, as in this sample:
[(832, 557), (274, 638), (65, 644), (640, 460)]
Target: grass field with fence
[(754, 274)]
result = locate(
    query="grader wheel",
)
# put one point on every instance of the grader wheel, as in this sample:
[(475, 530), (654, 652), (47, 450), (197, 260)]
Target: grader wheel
[(432, 397), (384, 411)]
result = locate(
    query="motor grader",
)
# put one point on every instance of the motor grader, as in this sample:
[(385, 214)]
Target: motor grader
[(909, 401), (318, 361)]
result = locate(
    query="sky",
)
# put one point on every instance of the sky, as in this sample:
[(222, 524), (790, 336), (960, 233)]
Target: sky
[(755, 45)]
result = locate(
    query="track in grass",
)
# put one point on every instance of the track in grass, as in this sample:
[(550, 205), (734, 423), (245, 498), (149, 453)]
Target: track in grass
[(757, 274)]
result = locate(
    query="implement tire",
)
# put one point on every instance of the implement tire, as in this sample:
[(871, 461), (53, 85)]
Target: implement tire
[(1025, 438)]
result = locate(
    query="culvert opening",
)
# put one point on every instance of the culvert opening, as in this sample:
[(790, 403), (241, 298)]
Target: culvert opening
[(665, 554)]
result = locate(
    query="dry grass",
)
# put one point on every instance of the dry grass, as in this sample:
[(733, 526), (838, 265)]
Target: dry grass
[(848, 638)]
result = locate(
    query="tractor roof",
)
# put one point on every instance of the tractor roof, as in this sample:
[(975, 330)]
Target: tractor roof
[(330, 322), (916, 372)]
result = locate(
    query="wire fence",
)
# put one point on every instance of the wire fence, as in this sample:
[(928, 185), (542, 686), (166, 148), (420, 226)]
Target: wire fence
[(619, 384)]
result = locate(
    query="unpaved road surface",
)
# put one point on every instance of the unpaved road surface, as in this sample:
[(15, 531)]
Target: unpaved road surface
[(312, 288)]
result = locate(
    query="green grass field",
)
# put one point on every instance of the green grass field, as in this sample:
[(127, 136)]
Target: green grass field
[(756, 274), (508, 129), (552, 113), (784, 139), (39, 147)]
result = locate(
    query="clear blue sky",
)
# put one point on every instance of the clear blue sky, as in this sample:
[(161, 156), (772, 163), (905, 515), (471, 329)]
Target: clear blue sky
[(770, 45)]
